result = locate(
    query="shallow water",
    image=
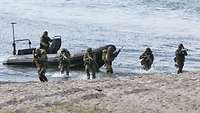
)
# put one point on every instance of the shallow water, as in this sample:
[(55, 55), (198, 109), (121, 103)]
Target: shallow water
[(129, 24)]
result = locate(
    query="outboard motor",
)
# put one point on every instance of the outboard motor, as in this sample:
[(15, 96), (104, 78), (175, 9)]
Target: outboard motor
[(55, 45)]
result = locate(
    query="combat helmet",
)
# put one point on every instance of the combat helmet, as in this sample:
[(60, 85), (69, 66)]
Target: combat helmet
[(45, 33), (180, 46), (89, 50), (63, 50), (110, 49)]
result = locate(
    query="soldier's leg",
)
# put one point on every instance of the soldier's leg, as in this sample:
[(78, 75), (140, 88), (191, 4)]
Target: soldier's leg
[(45, 78), (39, 73), (94, 71), (109, 68), (41, 79), (148, 66), (67, 69), (61, 68), (87, 71), (43, 71), (180, 68)]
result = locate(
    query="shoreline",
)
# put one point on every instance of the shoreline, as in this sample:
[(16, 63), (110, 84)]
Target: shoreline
[(136, 94)]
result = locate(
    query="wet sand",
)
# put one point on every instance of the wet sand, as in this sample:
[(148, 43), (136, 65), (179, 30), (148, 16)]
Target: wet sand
[(140, 94)]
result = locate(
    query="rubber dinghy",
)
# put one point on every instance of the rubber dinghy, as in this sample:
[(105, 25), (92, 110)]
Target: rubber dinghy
[(25, 57)]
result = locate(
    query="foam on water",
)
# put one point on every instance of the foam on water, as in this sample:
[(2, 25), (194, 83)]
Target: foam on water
[(131, 24)]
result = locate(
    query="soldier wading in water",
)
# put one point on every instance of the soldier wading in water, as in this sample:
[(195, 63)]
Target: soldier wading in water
[(89, 59), (108, 55), (181, 52), (64, 61), (147, 59), (40, 60)]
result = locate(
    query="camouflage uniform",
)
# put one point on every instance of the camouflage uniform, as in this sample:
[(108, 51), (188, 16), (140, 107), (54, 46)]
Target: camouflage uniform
[(40, 60), (104, 52), (109, 57), (44, 41), (147, 59), (180, 57), (89, 59), (64, 61)]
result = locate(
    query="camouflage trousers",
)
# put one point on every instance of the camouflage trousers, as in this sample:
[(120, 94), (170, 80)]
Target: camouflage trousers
[(179, 65), (46, 48), (64, 67), (109, 67), (41, 68), (146, 64), (90, 68)]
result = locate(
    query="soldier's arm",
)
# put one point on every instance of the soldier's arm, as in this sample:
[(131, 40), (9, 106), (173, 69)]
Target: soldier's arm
[(116, 53), (84, 57), (65, 56), (142, 56), (185, 53), (49, 39)]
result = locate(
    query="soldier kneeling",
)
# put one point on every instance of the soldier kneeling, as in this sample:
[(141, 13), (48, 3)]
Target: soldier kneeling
[(147, 59), (40, 60), (89, 59), (181, 52), (64, 61)]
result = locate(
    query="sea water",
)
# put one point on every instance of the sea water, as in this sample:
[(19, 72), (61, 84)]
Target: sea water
[(131, 25)]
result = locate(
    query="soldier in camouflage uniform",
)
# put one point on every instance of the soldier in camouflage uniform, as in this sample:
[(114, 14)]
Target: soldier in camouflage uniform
[(89, 59), (64, 61), (181, 52), (108, 57), (44, 41), (40, 60), (147, 59)]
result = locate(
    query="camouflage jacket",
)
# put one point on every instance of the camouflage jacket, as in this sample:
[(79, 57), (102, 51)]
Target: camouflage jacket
[(40, 57), (64, 57), (147, 56), (89, 58), (180, 55), (44, 41)]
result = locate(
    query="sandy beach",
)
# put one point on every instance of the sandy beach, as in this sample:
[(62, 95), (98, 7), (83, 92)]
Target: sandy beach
[(140, 94)]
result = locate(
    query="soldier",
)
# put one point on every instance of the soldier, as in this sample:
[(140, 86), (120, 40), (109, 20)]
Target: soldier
[(64, 61), (147, 59), (40, 60), (181, 52), (108, 58), (44, 41), (89, 59)]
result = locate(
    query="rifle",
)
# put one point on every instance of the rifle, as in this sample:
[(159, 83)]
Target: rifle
[(185, 49)]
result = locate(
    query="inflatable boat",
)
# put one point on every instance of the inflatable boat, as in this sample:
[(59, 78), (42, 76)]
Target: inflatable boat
[(24, 57)]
